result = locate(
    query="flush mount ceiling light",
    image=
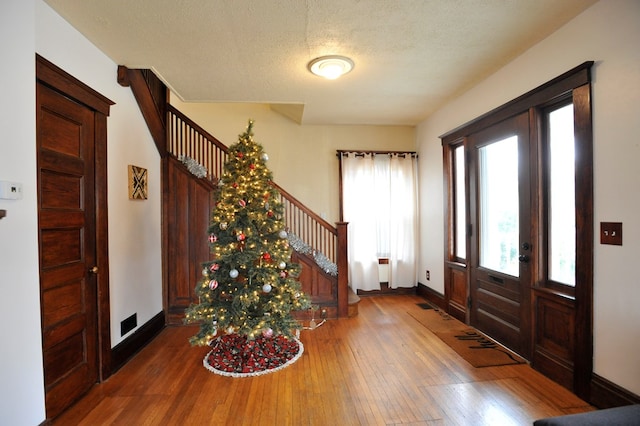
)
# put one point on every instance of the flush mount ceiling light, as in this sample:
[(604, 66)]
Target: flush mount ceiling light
[(330, 67)]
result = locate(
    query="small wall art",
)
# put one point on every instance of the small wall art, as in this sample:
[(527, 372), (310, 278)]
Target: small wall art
[(137, 183)]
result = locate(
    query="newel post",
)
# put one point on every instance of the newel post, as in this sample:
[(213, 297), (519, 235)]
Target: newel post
[(343, 272)]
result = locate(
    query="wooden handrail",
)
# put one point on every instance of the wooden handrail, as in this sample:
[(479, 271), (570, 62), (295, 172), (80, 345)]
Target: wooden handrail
[(186, 138)]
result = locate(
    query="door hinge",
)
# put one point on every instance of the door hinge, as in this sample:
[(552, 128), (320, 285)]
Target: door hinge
[(469, 230), (468, 302)]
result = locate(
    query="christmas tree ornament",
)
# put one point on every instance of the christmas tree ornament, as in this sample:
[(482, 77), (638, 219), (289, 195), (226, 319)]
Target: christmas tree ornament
[(240, 236), (266, 256), (267, 333), (282, 234), (205, 272), (266, 288), (223, 225), (266, 205), (242, 203), (264, 157), (214, 267), (282, 265), (213, 284), (212, 238), (252, 166), (233, 273)]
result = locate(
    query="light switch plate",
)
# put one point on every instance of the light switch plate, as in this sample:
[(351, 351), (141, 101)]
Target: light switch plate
[(10, 190), (611, 233)]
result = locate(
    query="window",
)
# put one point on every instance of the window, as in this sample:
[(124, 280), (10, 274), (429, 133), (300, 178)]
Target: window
[(561, 212), (459, 206)]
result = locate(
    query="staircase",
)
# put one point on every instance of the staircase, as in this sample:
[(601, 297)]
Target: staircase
[(187, 202)]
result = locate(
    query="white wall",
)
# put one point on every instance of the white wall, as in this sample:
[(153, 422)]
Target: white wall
[(302, 158), (135, 268), (27, 27), (609, 33), (21, 378)]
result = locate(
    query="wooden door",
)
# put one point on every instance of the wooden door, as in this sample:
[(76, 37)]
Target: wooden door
[(67, 247), (500, 215)]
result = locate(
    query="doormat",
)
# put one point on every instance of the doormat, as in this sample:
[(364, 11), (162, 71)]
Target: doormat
[(476, 348)]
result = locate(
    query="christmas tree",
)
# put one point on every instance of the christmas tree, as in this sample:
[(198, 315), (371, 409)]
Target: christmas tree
[(249, 288)]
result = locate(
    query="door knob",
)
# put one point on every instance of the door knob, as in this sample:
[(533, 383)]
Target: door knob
[(523, 258), (93, 270)]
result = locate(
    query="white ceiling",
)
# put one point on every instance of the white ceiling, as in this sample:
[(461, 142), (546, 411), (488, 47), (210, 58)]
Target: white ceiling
[(411, 56)]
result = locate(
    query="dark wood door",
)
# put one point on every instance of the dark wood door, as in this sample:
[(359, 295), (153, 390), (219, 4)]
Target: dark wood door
[(67, 247), (500, 215)]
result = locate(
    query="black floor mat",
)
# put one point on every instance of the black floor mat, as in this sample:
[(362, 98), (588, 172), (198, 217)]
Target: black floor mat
[(425, 305)]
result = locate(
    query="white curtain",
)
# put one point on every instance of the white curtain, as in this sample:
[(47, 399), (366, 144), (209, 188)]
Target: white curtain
[(403, 223), (380, 203), (358, 201)]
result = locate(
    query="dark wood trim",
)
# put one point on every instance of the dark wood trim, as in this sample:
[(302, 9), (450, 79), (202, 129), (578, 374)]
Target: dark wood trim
[(343, 274), (102, 247), (583, 358), (606, 394), (540, 95), (431, 295), (154, 118), (59, 80), (126, 349)]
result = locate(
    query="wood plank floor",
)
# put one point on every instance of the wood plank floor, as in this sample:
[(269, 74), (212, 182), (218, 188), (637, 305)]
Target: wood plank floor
[(379, 368)]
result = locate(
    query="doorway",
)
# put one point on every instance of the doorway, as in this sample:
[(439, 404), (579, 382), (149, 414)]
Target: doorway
[(71, 158), (519, 226)]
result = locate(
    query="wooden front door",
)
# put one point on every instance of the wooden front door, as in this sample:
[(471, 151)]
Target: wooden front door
[(500, 211), (74, 304)]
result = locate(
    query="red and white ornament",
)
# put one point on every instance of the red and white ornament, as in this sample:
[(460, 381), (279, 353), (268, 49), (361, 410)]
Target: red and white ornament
[(213, 284), (267, 333)]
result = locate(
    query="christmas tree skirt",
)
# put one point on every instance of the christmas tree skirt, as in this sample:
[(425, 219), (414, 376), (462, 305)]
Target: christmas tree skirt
[(236, 356)]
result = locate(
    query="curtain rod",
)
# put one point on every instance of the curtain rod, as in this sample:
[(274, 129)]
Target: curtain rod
[(340, 152)]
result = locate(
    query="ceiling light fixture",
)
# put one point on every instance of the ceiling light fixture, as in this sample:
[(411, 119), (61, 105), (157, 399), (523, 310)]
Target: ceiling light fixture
[(331, 66)]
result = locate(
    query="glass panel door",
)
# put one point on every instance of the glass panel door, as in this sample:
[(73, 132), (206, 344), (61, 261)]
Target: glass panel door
[(500, 215)]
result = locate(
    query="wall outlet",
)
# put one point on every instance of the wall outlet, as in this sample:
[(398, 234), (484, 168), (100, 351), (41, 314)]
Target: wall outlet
[(428, 275)]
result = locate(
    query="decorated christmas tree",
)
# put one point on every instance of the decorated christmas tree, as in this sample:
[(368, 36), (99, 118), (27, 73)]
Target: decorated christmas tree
[(250, 288)]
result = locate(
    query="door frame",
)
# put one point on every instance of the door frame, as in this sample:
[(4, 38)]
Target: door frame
[(55, 78)]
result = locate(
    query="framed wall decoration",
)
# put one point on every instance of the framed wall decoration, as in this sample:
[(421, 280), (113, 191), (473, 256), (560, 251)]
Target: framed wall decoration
[(137, 183)]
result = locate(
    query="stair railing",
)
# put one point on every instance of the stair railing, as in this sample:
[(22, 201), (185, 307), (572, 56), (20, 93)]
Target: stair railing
[(186, 138)]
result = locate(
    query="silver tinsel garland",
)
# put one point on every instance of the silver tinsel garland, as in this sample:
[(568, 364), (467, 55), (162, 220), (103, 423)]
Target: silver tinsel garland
[(193, 166), (321, 260)]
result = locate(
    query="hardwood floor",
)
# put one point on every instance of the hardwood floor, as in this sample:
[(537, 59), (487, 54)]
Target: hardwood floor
[(379, 368)]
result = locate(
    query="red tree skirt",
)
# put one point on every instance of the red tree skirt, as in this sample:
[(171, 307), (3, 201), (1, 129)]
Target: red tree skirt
[(236, 356)]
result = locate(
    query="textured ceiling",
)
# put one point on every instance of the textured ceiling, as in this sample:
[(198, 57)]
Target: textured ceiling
[(410, 56)]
